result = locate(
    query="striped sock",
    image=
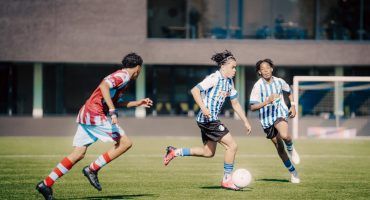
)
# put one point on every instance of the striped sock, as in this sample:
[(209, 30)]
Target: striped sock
[(289, 165), (228, 169), (289, 145), (100, 162), (62, 168), (182, 152)]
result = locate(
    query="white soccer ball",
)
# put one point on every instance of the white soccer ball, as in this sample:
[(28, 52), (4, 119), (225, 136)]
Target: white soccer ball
[(241, 178)]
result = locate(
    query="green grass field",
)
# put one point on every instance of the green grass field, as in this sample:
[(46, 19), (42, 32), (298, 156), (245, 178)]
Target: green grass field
[(329, 169)]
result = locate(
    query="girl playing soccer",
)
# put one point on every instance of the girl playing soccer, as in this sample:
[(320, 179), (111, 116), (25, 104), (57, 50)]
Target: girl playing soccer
[(210, 94), (267, 97)]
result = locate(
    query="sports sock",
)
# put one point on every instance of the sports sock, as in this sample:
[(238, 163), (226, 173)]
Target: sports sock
[(289, 145), (228, 169), (289, 165), (62, 168), (100, 162), (182, 152)]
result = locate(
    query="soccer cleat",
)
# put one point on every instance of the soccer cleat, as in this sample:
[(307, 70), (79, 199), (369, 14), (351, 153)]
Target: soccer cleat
[(294, 156), (92, 177), (170, 154), (46, 191), (229, 185), (294, 177)]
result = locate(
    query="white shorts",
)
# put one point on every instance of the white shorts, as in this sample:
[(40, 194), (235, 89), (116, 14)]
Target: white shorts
[(88, 134)]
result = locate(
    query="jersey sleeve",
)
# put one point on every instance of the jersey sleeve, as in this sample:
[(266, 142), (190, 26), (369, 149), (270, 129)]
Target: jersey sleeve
[(233, 93), (209, 82), (117, 79), (255, 95), (284, 86)]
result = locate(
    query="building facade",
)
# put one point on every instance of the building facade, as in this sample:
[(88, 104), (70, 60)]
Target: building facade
[(54, 53)]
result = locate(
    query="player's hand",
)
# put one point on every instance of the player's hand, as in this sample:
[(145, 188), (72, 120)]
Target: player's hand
[(248, 127), (272, 98), (114, 119), (292, 112), (206, 113), (113, 115), (147, 103)]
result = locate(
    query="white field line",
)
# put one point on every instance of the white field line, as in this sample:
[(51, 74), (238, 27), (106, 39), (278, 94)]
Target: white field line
[(160, 156)]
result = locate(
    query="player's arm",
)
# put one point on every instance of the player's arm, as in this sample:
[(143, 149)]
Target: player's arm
[(286, 88), (292, 111), (240, 111), (104, 88), (147, 103), (270, 99), (198, 99)]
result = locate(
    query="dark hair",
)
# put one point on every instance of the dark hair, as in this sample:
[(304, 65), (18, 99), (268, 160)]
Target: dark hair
[(131, 60), (267, 60), (223, 57)]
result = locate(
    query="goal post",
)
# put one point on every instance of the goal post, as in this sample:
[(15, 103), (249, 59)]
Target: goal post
[(333, 83)]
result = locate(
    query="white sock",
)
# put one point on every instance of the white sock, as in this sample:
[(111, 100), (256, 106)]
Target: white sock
[(226, 177), (178, 152)]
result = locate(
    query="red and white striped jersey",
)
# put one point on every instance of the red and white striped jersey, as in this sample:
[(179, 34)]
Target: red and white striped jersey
[(94, 111)]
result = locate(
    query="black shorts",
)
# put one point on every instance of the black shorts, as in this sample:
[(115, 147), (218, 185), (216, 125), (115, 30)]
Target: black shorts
[(271, 131), (213, 131)]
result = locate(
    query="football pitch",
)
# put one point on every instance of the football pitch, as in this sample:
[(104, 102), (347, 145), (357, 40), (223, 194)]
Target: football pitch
[(329, 169)]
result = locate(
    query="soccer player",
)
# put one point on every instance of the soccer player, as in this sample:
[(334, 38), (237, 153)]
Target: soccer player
[(210, 94), (97, 119), (267, 97)]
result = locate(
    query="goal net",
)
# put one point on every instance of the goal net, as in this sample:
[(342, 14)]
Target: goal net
[(331, 106)]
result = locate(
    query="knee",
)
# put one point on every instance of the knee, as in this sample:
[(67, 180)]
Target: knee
[(233, 147), (126, 144)]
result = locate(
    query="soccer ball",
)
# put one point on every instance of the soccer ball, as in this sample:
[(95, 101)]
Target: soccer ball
[(241, 178)]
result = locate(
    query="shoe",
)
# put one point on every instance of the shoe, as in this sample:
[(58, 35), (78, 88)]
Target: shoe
[(294, 177), (294, 156), (170, 154), (46, 191), (229, 185), (92, 177)]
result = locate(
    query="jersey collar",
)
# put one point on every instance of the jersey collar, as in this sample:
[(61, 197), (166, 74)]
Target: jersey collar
[(272, 80), (126, 72)]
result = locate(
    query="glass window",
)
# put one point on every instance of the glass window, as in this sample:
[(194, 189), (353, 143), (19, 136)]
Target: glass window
[(16, 88), (166, 19), (68, 86), (4, 88), (344, 19)]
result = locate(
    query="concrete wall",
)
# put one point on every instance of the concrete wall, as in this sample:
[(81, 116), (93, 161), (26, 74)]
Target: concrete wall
[(102, 31), (247, 52), (71, 31)]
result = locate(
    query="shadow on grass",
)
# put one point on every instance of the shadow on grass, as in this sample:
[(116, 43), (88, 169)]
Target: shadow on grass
[(273, 180), (220, 188), (126, 196)]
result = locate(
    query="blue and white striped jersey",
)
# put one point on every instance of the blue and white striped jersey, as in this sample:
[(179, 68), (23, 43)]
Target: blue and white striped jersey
[(278, 109), (214, 90)]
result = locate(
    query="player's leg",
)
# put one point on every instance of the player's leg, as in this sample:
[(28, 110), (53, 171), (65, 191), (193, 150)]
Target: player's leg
[(231, 147), (123, 143), (44, 187), (279, 145), (118, 149), (282, 127), (207, 151)]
